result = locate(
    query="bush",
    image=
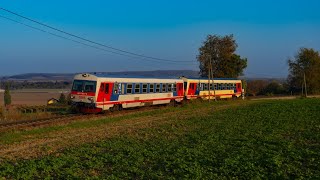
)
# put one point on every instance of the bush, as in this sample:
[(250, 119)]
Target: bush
[(1, 112), (7, 96), (62, 99)]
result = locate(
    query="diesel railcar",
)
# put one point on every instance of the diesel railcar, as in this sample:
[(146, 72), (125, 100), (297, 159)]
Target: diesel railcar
[(219, 88), (93, 93)]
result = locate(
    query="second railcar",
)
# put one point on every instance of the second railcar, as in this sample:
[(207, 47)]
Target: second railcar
[(219, 88)]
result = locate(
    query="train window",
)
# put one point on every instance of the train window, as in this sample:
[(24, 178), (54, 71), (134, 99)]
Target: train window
[(102, 88), (219, 86), (174, 88), (215, 86), (191, 86), (116, 88), (158, 88), (137, 88), (205, 86), (170, 87), (129, 88), (107, 89), (77, 85), (89, 86), (164, 87), (151, 88), (198, 86), (122, 88), (144, 88), (211, 86)]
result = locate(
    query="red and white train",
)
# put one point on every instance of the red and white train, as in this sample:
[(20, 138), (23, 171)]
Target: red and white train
[(93, 93)]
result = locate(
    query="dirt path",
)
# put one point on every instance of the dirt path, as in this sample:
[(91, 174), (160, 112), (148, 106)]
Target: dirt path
[(36, 145)]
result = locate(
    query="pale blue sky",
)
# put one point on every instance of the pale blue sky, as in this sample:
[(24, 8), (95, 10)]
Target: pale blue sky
[(267, 33)]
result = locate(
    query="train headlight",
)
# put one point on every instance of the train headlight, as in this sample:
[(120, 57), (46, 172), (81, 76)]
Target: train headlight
[(72, 97)]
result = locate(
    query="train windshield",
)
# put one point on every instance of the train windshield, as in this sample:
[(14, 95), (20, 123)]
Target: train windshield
[(84, 86)]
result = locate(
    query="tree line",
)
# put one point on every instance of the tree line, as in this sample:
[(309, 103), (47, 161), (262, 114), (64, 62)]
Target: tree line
[(217, 58)]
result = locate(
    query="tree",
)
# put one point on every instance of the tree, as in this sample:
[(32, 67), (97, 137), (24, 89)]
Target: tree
[(221, 52), (255, 87), (306, 63), (272, 88), (7, 96)]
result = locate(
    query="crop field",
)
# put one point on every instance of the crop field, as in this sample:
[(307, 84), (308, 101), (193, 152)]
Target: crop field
[(272, 139), (32, 96)]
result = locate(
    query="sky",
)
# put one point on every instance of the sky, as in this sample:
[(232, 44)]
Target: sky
[(267, 32)]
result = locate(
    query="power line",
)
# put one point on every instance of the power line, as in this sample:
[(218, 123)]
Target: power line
[(38, 29), (66, 38), (90, 41)]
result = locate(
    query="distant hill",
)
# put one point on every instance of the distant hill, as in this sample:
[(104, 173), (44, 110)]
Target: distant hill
[(43, 77)]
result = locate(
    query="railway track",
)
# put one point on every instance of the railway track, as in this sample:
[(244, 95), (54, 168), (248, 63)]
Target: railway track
[(26, 124), (32, 123)]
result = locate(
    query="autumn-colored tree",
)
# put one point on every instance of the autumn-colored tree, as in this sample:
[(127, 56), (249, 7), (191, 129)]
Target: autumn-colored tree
[(306, 63), (221, 52), (254, 87)]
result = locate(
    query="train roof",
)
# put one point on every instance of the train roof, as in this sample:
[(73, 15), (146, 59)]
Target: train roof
[(162, 77), (124, 76), (202, 78), (131, 76)]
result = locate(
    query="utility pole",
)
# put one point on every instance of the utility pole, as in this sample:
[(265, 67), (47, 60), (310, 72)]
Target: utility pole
[(209, 75), (305, 83), (214, 89)]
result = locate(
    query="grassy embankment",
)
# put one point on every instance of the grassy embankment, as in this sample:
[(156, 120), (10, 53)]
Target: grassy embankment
[(266, 139)]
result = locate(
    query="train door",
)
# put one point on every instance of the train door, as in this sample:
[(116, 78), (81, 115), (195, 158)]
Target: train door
[(179, 89), (105, 92), (239, 88), (192, 88)]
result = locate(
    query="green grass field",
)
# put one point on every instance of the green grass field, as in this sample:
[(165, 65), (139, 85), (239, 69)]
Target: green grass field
[(267, 139)]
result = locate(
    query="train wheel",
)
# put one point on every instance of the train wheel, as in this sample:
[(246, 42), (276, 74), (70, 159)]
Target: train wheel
[(173, 103), (234, 97), (184, 102), (111, 109), (120, 107)]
